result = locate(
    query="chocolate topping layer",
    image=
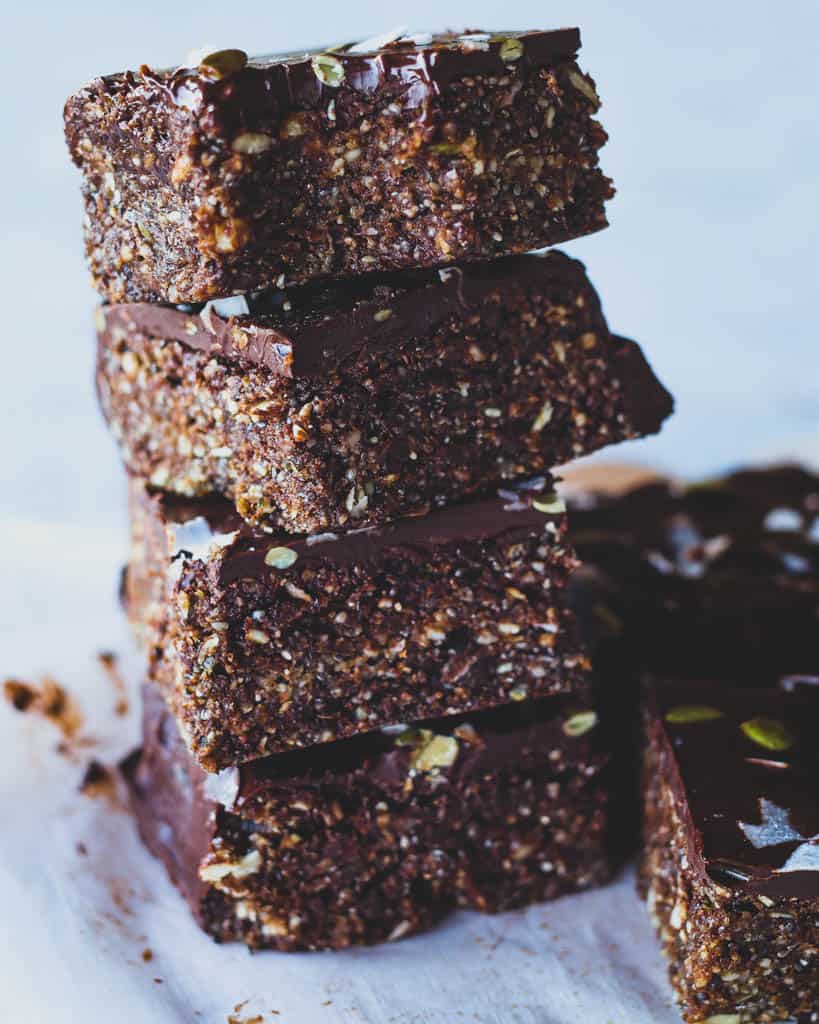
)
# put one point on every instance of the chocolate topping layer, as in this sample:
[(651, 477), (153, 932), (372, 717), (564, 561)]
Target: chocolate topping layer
[(746, 764), (200, 524), (419, 69), (303, 332)]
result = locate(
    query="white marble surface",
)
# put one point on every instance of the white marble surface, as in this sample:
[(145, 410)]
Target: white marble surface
[(710, 262)]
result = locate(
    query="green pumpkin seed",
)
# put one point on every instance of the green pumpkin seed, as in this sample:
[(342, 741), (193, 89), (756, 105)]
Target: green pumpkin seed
[(223, 63), (510, 50), (579, 724), (687, 714), (769, 733), (328, 69)]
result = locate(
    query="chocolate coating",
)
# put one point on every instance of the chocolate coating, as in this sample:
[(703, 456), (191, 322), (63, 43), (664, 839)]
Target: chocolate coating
[(198, 525), (719, 580), (752, 812), (304, 332), (420, 71)]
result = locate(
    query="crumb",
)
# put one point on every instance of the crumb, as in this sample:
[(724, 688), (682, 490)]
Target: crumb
[(20, 695), (100, 782), (97, 779), (121, 896), (147, 955), (48, 699), (108, 661), (159, 981), (234, 1018), (81, 849)]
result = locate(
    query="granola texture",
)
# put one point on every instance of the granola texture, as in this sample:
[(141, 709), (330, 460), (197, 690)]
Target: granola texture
[(266, 642), (741, 935), (504, 373), (378, 837), (236, 175)]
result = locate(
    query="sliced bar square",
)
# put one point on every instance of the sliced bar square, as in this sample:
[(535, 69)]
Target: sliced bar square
[(377, 837), (716, 580), (323, 407), (234, 175), (731, 864), (264, 642)]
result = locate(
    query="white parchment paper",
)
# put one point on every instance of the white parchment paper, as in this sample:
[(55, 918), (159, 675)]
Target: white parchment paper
[(73, 925)]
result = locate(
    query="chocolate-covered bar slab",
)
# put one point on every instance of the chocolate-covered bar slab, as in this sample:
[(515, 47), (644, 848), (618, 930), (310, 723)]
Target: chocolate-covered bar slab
[(263, 642), (716, 580), (317, 408), (234, 174), (375, 838), (731, 867)]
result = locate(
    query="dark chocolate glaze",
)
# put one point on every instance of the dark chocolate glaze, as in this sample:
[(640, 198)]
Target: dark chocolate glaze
[(503, 732), (195, 525), (752, 814), (417, 71), (168, 784), (304, 332)]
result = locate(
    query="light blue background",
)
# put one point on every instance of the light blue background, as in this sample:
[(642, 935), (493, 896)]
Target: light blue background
[(710, 261)]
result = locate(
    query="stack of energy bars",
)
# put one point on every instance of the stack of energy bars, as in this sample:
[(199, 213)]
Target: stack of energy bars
[(340, 380)]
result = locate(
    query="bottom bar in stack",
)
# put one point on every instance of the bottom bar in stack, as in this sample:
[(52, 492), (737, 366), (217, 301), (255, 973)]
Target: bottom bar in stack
[(376, 837), (731, 867)]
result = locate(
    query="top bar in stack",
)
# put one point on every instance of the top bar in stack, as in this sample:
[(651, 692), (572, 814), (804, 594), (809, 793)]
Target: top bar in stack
[(235, 175)]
